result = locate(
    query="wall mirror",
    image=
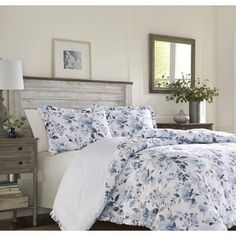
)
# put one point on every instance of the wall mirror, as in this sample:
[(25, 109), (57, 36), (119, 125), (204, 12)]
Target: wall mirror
[(170, 58)]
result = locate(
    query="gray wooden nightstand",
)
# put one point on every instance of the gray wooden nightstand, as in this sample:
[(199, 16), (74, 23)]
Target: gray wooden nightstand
[(19, 155), (185, 126)]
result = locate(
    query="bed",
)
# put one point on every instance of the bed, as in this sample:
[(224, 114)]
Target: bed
[(162, 179), (70, 93)]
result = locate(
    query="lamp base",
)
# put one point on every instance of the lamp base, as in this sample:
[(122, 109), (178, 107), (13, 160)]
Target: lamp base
[(3, 132)]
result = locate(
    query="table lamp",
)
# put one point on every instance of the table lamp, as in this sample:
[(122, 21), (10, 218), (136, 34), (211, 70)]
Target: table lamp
[(11, 78)]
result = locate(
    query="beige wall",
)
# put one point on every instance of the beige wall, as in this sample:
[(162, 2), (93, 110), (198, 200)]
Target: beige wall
[(226, 106), (119, 42), (192, 22)]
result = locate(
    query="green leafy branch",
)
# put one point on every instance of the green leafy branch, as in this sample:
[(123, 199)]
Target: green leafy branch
[(9, 121), (183, 91)]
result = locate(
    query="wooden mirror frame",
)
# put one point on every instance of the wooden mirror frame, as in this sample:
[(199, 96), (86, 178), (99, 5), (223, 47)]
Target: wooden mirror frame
[(166, 38)]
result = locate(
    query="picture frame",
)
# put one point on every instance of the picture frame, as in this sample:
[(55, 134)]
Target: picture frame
[(71, 59)]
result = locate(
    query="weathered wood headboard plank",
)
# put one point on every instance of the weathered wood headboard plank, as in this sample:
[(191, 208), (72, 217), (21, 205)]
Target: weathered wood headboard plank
[(71, 93), (77, 80), (79, 86)]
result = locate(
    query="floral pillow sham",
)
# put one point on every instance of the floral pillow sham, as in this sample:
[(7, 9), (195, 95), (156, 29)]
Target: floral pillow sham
[(129, 120), (129, 123), (70, 129), (46, 110)]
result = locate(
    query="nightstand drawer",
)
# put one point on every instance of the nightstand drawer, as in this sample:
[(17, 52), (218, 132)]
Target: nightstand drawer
[(10, 165), (13, 202), (16, 155), (16, 149)]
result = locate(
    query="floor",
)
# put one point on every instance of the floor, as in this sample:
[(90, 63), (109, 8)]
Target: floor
[(25, 223), (46, 223)]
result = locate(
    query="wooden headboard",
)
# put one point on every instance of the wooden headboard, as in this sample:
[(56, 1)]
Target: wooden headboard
[(71, 93)]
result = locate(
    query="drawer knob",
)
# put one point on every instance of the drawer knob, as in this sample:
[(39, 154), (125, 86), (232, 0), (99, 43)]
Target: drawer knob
[(20, 162), (20, 148)]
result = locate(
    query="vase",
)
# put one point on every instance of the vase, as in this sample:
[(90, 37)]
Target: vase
[(195, 112), (12, 133), (181, 117)]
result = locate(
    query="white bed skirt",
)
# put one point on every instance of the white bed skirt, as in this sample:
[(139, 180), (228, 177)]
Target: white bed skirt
[(50, 173)]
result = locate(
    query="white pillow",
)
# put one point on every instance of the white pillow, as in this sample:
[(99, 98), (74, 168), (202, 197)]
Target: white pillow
[(38, 128)]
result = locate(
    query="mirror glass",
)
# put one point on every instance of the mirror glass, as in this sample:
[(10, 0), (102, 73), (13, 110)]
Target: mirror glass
[(171, 58)]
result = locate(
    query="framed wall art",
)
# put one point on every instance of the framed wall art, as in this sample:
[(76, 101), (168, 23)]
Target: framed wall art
[(71, 59)]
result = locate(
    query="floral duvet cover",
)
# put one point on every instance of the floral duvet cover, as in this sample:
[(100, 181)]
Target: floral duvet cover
[(168, 180), (174, 182)]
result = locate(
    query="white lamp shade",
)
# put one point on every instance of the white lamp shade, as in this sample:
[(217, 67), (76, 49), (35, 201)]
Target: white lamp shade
[(11, 76)]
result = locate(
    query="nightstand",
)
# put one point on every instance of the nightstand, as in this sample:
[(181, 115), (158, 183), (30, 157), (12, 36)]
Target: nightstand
[(19, 155), (185, 126)]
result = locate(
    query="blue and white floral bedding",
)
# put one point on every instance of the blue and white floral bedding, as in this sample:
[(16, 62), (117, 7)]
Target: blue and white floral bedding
[(164, 180), (70, 129)]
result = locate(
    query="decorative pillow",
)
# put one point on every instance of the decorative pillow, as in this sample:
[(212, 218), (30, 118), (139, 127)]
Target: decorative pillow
[(129, 122), (131, 108), (46, 110), (69, 129)]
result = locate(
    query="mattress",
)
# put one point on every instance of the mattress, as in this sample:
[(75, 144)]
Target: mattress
[(50, 173)]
